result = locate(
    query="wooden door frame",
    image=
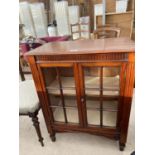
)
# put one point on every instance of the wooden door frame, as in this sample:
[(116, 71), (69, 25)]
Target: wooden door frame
[(122, 66), (76, 80)]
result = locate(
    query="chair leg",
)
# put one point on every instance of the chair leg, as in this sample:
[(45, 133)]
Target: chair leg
[(21, 72), (37, 127)]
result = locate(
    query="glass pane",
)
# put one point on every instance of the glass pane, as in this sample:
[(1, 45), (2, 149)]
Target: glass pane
[(109, 112), (109, 118), (110, 105), (93, 114), (70, 101), (91, 80), (60, 85), (58, 114), (92, 104), (54, 75), (110, 80), (93, 117), (67, 77), (110, 109), (54, 100), (100, 82), (71, 109), (56, 108), (72, 115)]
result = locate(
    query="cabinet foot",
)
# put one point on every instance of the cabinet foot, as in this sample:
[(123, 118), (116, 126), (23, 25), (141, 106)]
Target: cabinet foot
[(121, 146), (53, 138)]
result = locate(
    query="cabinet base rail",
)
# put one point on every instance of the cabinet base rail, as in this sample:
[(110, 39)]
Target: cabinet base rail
[(111, 134)]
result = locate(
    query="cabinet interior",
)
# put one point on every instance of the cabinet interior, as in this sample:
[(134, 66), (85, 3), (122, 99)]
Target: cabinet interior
[(61, 88)]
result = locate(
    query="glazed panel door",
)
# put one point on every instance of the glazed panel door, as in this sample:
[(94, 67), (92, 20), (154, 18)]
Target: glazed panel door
[(59, 82), (102, 87)]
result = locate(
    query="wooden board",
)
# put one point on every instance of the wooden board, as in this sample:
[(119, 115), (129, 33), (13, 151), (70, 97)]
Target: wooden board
[(110, 86), (131, 5), (110, 5), (122, 20), (108, 45)]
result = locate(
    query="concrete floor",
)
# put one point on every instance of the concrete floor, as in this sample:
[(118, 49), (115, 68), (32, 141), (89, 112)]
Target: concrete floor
[(70, 143)]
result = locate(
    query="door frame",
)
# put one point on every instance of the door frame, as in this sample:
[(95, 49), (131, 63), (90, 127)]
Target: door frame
[(77, 88), (122, 66)]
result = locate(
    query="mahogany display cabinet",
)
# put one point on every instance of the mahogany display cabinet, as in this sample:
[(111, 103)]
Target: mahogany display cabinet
[(85, 86)]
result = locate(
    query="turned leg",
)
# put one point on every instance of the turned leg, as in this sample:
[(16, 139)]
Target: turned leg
[(121, 146), (37, 127), (53, 138), (21, 72)]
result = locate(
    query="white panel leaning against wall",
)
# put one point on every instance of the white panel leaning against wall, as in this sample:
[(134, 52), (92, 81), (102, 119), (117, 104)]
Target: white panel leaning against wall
[(34, 19), (26, 18)]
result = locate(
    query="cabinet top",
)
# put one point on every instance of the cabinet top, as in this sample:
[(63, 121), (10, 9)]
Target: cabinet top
[(109, 45)]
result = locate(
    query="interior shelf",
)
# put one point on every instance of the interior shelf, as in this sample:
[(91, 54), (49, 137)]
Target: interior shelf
[(93, 115), (110, 106), (110, 86)]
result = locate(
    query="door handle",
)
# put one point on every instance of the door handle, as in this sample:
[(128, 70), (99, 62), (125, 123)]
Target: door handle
[(82, 99)]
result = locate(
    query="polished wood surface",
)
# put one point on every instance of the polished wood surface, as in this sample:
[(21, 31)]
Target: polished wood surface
[(108, 45), (79, 55)]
